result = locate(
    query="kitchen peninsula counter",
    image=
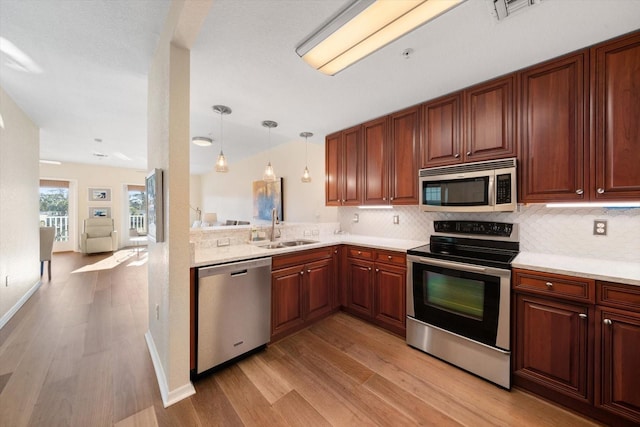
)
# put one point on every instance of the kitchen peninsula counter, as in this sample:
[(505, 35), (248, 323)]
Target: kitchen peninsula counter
[(627, 272), (205, 256)]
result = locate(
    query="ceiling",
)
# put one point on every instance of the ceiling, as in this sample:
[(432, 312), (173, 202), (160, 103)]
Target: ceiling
[(94, 56)]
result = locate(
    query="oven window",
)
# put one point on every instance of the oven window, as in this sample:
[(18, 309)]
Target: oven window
[(457, 295), (457, 192)]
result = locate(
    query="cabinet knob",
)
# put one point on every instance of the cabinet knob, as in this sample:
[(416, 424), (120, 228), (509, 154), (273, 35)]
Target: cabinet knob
[(549, 285), (309, 271), (607, 322), (359, 252), (389, 257), (302, 272), (384, 198), (457, 155), (579, 191), (377, 270), (469, 153), (391, 198), (600, 190), (369, 268), (582, 316), (335, 252)]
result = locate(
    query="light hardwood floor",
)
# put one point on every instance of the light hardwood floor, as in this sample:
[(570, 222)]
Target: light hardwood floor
[(75, 355)]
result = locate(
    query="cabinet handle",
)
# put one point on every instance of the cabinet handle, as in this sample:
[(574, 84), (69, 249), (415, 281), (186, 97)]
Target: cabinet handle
[(456, 155), (469, 153), (582, 316), (579, 191), (549, 285), (607, 322), (600, 190)]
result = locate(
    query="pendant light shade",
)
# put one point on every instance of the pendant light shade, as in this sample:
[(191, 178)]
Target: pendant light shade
[(306, 176), (221, 163), (269, 175)]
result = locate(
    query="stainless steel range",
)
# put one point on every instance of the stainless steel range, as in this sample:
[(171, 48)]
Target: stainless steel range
[(458, 296)]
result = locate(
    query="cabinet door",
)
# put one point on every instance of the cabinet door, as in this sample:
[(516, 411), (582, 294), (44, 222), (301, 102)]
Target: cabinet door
[(441, 139), (374, 157), (615, 73), (360, 287), (553, 119), (389, 293), (403, 157), (552, 345), (318, 292), (351, 174), (333, 169), (286, 299), (618, 362), (489, 120)]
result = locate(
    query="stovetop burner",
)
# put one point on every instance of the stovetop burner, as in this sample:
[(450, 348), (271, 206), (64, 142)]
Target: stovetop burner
[(492, 244)]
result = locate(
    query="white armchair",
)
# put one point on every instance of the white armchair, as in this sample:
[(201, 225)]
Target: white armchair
[(98, 236)]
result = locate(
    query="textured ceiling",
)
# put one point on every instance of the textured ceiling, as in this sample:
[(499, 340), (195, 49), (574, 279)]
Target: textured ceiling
[(95, 55)]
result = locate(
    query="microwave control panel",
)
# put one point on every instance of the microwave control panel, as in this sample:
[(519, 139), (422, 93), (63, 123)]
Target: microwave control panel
[(503, 189)]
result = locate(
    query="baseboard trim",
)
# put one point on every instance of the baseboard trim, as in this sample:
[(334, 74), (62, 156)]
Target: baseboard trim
[(13, 310), (168, 397)]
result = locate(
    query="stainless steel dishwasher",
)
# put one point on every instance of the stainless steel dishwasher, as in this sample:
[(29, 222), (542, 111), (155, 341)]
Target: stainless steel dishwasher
[(234, 311)]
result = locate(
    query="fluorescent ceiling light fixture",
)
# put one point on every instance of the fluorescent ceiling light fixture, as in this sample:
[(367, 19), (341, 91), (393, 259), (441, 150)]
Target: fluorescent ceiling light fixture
[(17, 59), (1, 122), (50, 162), (365, 26), (122, 156), (375, 207), (595, 205)]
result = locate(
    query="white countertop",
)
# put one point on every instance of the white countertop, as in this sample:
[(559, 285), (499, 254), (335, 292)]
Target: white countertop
[(224, 254), (598, 269)]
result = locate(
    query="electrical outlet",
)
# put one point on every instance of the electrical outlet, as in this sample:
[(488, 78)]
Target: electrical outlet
[(6, 281), (599, 227), (356, 217), (396, 219), (157, 311)]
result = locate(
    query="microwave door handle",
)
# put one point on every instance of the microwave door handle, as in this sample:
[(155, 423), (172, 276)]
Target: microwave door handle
[(492, 190), (457, 266)]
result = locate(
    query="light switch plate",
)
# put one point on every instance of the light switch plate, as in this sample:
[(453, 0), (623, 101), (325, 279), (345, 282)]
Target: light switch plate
[(599, 227)]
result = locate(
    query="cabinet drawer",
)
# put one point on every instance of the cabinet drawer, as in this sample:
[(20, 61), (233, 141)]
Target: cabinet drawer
[(567, 287), (361, 253), (618, 295), (388, 257), (300, 257)]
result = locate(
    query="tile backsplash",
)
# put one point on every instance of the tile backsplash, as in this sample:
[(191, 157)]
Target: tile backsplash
[(565, 231)]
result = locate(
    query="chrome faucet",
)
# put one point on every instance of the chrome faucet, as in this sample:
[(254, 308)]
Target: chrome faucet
[(274, 220)]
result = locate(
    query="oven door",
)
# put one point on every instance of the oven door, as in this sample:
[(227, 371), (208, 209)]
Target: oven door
[(468, 300)]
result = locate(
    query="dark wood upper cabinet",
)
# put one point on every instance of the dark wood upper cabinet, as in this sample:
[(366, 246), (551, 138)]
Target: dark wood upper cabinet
[(375, 155), (615, 97), (553, 130), (403, 159), (489, 114), (342, 167), (441, 132)]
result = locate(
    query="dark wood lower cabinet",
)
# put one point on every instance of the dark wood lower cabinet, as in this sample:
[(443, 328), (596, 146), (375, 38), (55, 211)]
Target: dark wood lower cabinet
[(577, 342), (552, 345)]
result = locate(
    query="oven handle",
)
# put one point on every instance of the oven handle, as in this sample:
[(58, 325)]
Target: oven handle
[(456, 265)]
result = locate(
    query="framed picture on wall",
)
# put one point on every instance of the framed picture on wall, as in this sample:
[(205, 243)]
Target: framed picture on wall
[(99, 194), (266, 196), (155, 208), (99, 212)]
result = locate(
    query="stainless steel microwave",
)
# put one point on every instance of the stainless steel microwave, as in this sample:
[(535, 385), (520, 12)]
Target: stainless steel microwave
[(470, 187)]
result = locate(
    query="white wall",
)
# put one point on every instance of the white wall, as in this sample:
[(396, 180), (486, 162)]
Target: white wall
[(19, 225), (546, 230), (93, 176), (229, 194)]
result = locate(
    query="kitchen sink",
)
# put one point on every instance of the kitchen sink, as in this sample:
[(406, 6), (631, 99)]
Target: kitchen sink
[(287, 244)]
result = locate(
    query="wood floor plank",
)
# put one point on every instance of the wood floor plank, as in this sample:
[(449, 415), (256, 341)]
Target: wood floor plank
[(55, 403), (298, 412), (212, 405), (144, 418), (270, 384), (251, 406), (93, 403)]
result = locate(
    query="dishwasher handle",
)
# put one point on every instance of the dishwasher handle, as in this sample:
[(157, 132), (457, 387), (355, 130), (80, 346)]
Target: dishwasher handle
[(234, 269)]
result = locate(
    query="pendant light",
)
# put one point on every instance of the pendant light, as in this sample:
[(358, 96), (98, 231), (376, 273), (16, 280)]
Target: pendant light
[(221, 163), (269, 175), (202, 141), (306, 177)]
